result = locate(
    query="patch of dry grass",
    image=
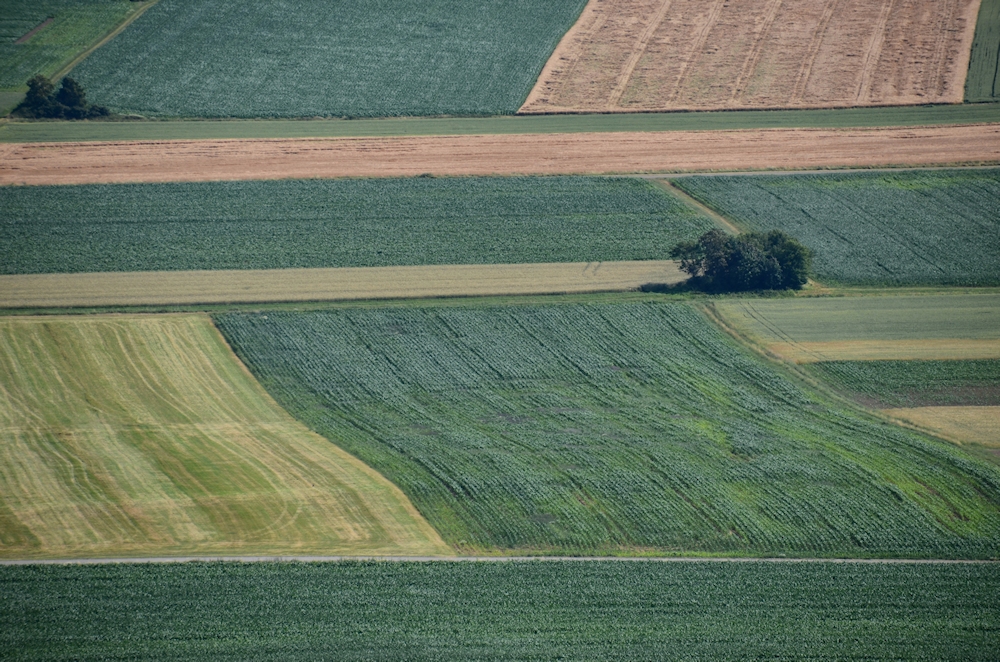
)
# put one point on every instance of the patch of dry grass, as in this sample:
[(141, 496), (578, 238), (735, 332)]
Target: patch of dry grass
[(257, 286), (976, 425), (145, 436)]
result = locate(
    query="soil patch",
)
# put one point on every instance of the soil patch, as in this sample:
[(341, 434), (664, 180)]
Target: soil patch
[(627, 55), (581, 153), (41, 26)]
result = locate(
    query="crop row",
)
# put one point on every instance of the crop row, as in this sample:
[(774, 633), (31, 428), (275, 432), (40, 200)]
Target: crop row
[(981, 82), (592, 428), (501, 611), (889, 384), (302, 59), (905, 228), (338, 223)]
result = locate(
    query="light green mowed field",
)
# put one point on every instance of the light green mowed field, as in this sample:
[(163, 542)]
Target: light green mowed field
[(144, 436)]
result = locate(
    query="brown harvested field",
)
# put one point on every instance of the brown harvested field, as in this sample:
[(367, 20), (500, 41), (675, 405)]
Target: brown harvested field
[(977, 425), (190, 287), (580, 153), (643, 55)]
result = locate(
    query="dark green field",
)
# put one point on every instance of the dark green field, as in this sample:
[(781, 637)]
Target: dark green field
[(364, 58), (890, 384), (612, 428), (981, 83), (932, 227), (501, 611), (338, 223)]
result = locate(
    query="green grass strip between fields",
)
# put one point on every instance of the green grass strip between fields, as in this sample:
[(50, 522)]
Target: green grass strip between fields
[(57, 131)]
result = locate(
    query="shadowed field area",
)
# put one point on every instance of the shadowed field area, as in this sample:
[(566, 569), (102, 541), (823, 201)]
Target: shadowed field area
[(144, 436)]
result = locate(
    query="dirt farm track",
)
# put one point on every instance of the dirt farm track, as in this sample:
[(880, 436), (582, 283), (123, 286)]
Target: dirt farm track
[(583, 153)]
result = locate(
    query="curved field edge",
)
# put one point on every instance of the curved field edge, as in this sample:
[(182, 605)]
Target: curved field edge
[(501, 611), (50, 131), (143, 435), (613, 429)]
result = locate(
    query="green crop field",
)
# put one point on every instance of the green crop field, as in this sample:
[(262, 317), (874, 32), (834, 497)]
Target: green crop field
[(890, 384), (338, 223), (609, 428), (143, 436), (879, 228), (502, 611), (981, 84), (371, 58), (76, 25)]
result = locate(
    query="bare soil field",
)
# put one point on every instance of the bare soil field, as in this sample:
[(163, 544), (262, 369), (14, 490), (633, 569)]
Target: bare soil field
[(977, 425), (258, 286), (631, 55), (582, 153)]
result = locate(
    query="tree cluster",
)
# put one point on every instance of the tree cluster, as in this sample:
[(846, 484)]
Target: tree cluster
[(751, 261), (69, 102)]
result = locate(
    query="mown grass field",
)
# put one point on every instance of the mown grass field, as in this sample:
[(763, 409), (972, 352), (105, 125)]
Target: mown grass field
[(14, 132), (159, 288), (75, 27), (368, 58), (143, 436), (502, 611), (984, 63), (922, 326), (901, 228), (338, 223), (612, 428)]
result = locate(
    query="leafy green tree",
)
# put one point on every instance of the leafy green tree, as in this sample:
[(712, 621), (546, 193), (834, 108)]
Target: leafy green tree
[(69, 102), (751, 261)]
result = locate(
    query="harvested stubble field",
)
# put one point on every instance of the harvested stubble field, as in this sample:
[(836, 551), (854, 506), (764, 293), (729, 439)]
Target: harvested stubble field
[(939, 227), (501, 611), (364, 58), (567, 428), (297, 224), (918, 327), (144, 436), (585, 153), (975, 425), (152, 288), (629, 55)]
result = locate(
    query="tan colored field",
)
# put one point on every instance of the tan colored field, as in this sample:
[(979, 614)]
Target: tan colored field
[(976, 425), (145, 436), (181, 287), (887, 350), (580, 153), (808, 330), (629, 55)]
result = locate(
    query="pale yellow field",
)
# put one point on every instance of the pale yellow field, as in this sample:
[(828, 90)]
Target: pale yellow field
[(145, 436), (976, 425), (188, 287), (808, 330)]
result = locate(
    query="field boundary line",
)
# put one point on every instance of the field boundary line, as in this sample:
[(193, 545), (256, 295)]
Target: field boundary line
[(874, 50), (115, 31), (638, 51), (668, 186), (491, 559)]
